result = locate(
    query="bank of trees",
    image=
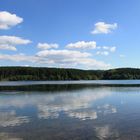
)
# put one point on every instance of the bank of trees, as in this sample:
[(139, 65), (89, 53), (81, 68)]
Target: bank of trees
[(36, 73)]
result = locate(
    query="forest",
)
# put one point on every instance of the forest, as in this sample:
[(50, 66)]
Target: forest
[(43, 73)]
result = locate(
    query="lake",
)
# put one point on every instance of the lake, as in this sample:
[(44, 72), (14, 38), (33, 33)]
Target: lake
[(77, 110)]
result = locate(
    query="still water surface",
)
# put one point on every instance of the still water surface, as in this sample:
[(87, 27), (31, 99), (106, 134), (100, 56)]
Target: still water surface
[(81, 82), (83, 113)]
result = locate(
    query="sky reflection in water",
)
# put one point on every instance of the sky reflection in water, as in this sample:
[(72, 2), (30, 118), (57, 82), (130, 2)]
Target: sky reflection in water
[(93, 113)]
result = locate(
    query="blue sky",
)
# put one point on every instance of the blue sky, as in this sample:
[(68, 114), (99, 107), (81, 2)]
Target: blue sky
[(87, 34)]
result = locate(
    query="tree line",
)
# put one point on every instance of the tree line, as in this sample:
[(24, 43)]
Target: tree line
[(42, 73)]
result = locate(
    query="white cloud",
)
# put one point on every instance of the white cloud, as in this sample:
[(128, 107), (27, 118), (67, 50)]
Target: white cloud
[(82, 45), (13, 40), (103, 28), (55, 57), (19, 58), (62, 53), (90, 63), (102, 53), (45, 46), (105, 50), (111, 49), (10, 42), (70, 58), (7, 47), (8, 20), (59, 58)]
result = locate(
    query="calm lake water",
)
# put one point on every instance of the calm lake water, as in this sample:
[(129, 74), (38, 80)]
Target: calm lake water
[(81, 82), (65, 112)]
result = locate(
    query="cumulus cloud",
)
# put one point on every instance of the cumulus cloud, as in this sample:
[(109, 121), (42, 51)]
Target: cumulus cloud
[(111, 49), (13, 40), (45, 46), (102, 53), (104, 28), (59, 58), (82, 45), (62, 53), (54, 58), (19, 58), (7, 47), (10, 42), (8, 20), (105, 50), (70, 58)]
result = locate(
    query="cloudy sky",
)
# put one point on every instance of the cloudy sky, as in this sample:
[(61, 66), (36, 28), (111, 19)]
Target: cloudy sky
[(86, 34)]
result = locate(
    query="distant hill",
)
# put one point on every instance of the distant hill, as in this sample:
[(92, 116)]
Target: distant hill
[(39, 73)]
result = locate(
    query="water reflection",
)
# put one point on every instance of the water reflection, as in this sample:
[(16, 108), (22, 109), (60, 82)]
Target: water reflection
[(83, 115), (105, 132), (87, 113), (7, 136), (10, 119), (107, 109), (74, 104)]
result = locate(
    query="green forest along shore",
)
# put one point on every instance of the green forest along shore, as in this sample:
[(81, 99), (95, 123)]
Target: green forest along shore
[(40, 73)]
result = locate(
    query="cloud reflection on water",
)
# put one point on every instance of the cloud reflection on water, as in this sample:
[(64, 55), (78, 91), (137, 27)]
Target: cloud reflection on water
[(10, 119), (7, 136), (73, 104), (85, 104), (104, 132)]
